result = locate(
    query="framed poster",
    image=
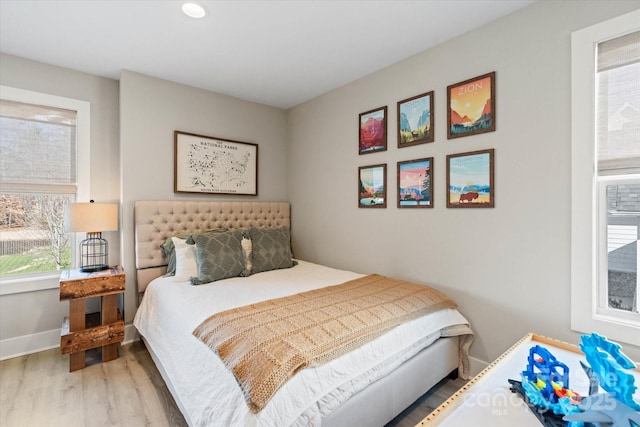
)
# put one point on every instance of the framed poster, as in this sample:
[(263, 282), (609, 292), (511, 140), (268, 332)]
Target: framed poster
[(470, 180), (415, 183), (372, 186), (372, 131), (415, 120), (204, 164), (472, 106)]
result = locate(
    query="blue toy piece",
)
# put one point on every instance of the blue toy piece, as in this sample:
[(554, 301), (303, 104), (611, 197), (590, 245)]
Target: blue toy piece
[(545, 382), (608, 364), (604, 410), (545, 387), (544, 370)]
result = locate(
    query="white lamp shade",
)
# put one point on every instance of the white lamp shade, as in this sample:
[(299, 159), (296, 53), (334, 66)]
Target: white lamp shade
[(91, 217)]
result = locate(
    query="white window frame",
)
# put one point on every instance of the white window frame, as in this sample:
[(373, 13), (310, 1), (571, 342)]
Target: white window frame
[(40, 281), (585, 314)]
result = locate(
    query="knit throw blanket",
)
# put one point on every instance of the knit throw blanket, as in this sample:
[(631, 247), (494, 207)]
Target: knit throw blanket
[(265, 344)]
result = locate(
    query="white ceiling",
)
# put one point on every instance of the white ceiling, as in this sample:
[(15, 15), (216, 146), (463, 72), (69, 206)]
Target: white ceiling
[(279, 53)]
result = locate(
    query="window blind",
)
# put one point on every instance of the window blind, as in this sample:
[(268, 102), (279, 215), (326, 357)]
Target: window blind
[(37, 148), (618, 105)]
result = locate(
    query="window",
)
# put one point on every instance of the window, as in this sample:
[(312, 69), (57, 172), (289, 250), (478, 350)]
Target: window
[(43, 166), (605, 205)]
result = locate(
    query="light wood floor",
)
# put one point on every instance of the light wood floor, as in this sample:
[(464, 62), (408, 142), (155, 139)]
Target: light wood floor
[(39, 390)]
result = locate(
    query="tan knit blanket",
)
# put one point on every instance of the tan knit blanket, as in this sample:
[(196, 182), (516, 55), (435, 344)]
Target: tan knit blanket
[(265, 344)]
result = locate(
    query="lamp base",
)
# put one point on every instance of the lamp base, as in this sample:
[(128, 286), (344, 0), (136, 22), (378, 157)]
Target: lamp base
[(93, 268), (94, 253)]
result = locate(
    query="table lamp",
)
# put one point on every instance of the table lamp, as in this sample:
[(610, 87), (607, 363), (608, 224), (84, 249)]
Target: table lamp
[(92, 218)]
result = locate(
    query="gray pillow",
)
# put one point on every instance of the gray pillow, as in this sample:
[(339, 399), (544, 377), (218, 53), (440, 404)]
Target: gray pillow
[(170, 251), (271, 249), (219, 256)]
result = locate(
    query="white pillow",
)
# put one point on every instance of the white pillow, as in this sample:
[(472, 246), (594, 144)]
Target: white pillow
[(186, 260)]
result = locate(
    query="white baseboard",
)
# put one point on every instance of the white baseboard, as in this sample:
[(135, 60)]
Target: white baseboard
[(130, 334), (476, 366), (27, 344)]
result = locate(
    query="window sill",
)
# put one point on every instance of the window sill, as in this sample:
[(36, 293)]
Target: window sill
[(617, 328), (30, 284)]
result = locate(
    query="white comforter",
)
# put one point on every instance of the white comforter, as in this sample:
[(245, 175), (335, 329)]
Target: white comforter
[(207, 391)]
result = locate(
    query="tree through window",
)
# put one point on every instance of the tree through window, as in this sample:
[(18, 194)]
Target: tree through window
[(37, 178)]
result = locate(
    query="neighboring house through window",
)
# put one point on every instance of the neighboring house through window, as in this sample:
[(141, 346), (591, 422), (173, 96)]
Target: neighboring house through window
[(605, 207), (44, 148)]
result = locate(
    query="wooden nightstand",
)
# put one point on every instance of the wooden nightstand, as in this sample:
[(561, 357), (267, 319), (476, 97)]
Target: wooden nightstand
[(78, 332)]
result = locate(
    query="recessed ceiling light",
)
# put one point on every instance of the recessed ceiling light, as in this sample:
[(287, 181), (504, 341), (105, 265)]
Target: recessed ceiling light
[(193, 10)]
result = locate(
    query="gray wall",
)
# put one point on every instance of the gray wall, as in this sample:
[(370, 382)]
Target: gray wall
[(508, 267), (151, 110), (40, 311)]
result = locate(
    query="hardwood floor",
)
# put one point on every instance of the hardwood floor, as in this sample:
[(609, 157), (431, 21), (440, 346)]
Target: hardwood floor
[(39, 390)]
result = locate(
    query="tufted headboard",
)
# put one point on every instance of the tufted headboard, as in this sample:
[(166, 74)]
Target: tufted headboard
[(157, 220)]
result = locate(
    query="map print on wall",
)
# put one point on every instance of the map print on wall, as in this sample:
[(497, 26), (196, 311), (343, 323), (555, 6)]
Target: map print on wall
[(214, 165)]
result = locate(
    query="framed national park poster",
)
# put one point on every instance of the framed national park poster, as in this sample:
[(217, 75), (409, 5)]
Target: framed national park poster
[(470, 180), (372, 131), (471, 106), (372, 186), (415, 120), (415, 183), (206, 164)]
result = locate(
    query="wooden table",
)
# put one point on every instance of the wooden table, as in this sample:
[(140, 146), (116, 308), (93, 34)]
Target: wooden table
[(486, 399), (79, 331)]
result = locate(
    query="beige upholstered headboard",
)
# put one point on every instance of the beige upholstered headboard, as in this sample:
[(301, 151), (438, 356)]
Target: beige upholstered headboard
[(157, 220)]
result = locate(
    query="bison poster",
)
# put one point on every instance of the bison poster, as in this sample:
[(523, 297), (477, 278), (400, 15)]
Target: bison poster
[(470, 180)]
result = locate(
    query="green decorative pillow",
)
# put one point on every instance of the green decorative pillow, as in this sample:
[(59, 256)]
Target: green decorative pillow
[(271, 249), (169, 250), (219, 255)]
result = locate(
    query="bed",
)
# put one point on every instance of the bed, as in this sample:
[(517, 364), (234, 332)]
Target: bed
[(367, 386)]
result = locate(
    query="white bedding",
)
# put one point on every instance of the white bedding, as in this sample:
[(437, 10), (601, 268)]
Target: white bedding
[(207, 391)]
